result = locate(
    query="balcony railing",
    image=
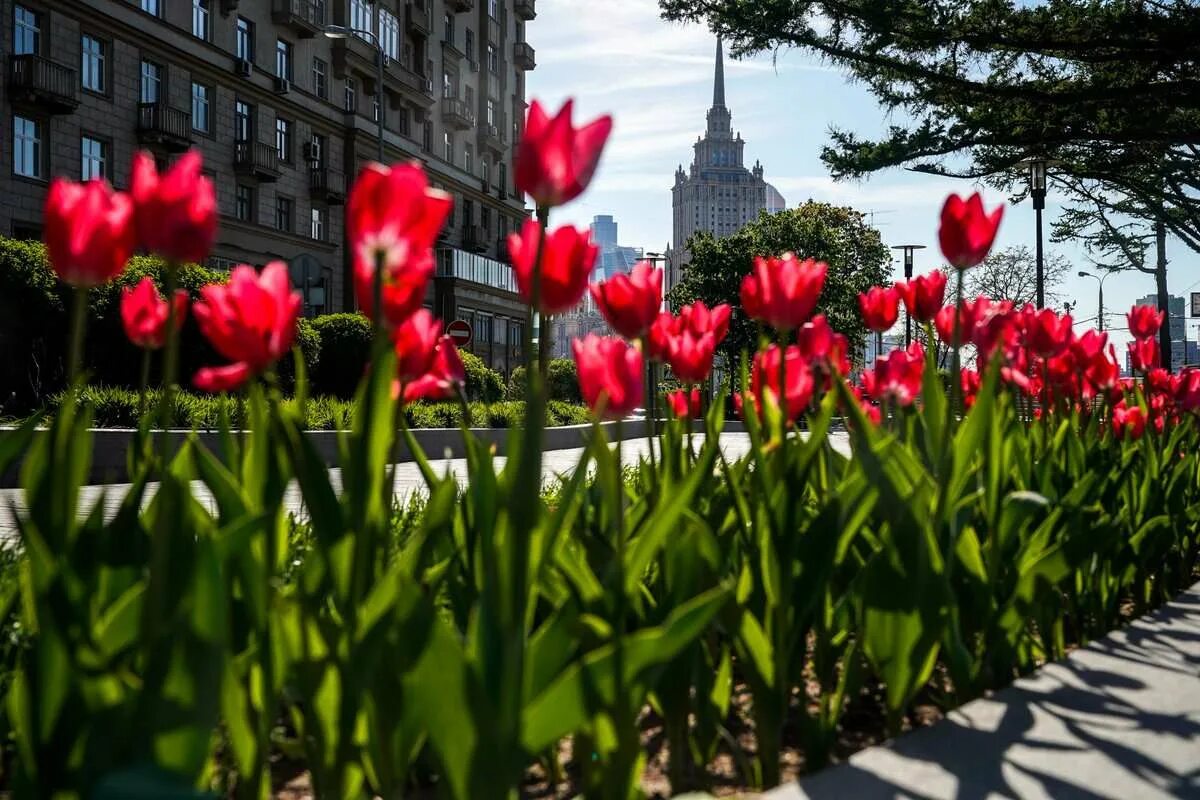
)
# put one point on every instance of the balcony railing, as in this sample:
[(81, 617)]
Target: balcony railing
[(523, 56), (36, 79), (469, 266), (257, 160), (326, 184), (457, 114), (525, 9), (460, 6), (306, 17), (160, 124)]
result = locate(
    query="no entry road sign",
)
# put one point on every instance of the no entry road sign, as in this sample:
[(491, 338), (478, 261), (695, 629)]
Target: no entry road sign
[(460, 332)]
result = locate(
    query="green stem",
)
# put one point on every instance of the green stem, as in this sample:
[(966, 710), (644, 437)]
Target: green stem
[(166, 402), (78, 327), (651, 422), (143, 383)]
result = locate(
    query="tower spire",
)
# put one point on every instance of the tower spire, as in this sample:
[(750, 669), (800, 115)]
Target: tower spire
[(719, 79)]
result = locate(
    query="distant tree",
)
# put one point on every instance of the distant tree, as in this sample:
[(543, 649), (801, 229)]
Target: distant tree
[(1011, 274), (839, 236)]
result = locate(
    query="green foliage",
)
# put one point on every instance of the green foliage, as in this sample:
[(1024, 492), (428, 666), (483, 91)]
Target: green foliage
[(562, 381), (841, 237), (483, 382), (345, 344)]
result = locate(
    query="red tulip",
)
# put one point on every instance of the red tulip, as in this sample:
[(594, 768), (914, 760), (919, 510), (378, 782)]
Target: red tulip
[(1046, 333), (416, 343), (631, 302), (1143, 354), (825, 350), (144, 314), (1128, 420), (971, 383), (684, 406), (1144, 321), (967, 231), (699, 318), (555, 160), (782, 292), (1090, 345), (969, 313), (251, 321), (880, 308), (1102, 371), (176, 211), (691, 356), (445, 376), (392, 220), (923, 296), (1187, 392), (896, 378), (610, 374), (658, 339), (798, 388), (567, 260), (89, 231), (995, 326)]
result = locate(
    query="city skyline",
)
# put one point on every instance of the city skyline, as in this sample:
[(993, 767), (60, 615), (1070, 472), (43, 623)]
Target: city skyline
[(655, 78)]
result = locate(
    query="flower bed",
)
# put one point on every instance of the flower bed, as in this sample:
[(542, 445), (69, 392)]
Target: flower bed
[(501, 635)]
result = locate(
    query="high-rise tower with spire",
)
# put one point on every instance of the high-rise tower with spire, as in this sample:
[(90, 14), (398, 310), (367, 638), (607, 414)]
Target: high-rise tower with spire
[(718, 194)]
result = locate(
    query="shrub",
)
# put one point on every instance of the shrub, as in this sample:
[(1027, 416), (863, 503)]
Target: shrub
[(562, 378), (516, 385), (345, 348), (483, 382)]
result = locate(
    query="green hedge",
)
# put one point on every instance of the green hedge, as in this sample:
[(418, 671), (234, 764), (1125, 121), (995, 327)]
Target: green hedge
[(116, 407), (562, 379), (345, 345)]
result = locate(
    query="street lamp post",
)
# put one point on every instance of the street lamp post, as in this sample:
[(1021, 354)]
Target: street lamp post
[(1037, 191), (908, 249), (651, 372), (342, 32), (1100, 279)]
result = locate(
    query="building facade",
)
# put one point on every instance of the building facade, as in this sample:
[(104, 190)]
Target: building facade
[(285, 114), (1184, 352), (718, 194)]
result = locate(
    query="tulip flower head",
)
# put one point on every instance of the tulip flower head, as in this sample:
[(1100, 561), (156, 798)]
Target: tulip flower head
[(1144, 321), (89, 231), (610, 375), (685, 406), (555, 160), (896, 378), (923, 296), (393, 218), (416, 343), (176, 211), (765, 377), (630, 303), (251, 321), (445, 376), (144, 314), (1128, 421), (567, 258), (967, 231), (880, 308), (1046, 333), (782, 292), (1143, 354)]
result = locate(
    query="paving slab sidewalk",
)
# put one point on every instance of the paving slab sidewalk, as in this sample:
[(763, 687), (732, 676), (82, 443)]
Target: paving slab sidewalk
[(1117, 719)]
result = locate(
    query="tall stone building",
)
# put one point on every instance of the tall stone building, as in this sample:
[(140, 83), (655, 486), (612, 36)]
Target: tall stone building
[(284, 115), (718, 194)]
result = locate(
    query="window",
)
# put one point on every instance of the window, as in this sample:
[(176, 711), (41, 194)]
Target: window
[(245, 39), (485, 218), (375, 107), (243, 121), (447, 147), (283, 213), (493, 9), (491, 112), (283, 138), (469, 44), (493, 59), (318, 223), (389, 34), (200, 100), (283, 59), (351, 99), (321, 78), (483, 329), (91, 61), (152, 7), (27, 31), (316, 150), (468, 157), (447, 85), (362, 17), (503, 177), (200, 20), (448, 29), (27, 147), (93, 158), (427, 136), (405, 123), (469, 96), (485, 170), (151, 82), (244, 203)]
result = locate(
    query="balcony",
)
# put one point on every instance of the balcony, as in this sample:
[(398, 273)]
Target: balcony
[(525, 9), (326, 185), (42, 82), (256, 160), (358, 55), (491, 137), (457, 114), (460, 6), (160, 125), (305, 17), (523, 56), (451, 53), (418, 18)]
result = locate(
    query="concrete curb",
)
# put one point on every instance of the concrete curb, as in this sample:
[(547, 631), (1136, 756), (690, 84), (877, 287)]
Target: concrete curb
[(1119, 718), (109, 445)]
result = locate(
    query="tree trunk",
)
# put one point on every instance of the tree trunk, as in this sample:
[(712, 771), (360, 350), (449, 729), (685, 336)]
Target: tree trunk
[(1160, 284)]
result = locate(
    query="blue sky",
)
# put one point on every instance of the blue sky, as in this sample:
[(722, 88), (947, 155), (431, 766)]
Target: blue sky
[(655, 78)]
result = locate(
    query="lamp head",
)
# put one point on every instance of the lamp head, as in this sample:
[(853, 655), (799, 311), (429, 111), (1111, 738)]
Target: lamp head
[(336, 32)]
